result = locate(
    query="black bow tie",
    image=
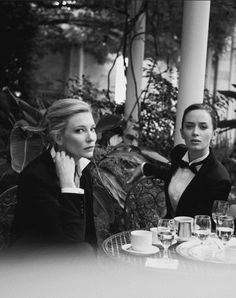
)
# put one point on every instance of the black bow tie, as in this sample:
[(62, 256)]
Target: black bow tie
[(192, 167)]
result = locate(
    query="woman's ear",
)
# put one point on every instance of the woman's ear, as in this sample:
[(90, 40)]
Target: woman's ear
[(213, 138), (181, 132), (58, 139)]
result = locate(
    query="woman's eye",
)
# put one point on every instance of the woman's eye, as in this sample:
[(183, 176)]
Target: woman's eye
[(79, 130), (188, 126), (93, 129), (203, 126)]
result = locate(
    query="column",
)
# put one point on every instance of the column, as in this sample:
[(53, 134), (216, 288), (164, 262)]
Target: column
[(76, 62), (193, 58), (232, 71), (232, 80), (135, 67)]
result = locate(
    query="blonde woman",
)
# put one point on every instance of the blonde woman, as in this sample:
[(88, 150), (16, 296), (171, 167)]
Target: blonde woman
[(54, 193)]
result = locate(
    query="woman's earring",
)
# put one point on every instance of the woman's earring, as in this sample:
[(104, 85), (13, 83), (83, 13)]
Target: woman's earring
[(213, 139)]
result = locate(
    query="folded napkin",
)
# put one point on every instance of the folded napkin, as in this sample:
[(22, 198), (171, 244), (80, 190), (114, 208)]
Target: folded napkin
[(162, 263)]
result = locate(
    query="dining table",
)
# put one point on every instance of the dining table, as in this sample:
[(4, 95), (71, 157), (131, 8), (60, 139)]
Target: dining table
[(72, 271), (201, 275)]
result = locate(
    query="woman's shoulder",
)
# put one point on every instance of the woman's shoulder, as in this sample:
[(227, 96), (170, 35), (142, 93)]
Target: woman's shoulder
[(216, 168), (38, 165)]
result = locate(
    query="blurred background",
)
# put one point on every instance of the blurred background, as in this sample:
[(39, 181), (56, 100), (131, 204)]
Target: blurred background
[(123, 57)]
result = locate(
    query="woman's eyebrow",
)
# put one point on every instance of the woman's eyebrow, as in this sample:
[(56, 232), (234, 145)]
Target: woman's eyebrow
[(80, 125), (84, 126), (191, 122)]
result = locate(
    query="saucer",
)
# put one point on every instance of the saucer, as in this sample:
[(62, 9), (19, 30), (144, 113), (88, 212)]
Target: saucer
[(128, 248)]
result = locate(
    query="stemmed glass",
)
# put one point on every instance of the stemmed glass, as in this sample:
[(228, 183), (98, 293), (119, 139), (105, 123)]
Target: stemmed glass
[(219, 208), (166, 235), (225, 228), (202, 227)]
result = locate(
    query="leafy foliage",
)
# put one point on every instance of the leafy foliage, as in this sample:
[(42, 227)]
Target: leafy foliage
[(21, 137), (163, 33), (98, 25), (18, 27), (158, 111), (157, 115), (26, 143), (222, 22), (36, 27), (86, 90), (219, 102)]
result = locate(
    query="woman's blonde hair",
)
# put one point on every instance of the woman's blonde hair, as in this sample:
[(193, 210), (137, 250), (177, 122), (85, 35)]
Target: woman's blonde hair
[(60, 111)]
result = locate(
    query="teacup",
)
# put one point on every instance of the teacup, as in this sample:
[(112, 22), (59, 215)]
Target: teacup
[(141, 240), (154, 236), (184, 227)]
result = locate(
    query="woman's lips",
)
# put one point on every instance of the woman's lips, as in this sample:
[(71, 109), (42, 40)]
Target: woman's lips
[(90, 148), (195, 141)]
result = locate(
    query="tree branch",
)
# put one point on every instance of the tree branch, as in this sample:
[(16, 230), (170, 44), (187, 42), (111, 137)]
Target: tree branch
[(227, 123)]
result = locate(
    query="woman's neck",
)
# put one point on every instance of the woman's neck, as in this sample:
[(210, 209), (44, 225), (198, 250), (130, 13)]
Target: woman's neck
[(59, 148), (192, 155)]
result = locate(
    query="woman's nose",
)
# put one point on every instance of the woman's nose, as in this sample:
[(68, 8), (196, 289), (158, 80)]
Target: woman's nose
[(195, 131), (91, 136)]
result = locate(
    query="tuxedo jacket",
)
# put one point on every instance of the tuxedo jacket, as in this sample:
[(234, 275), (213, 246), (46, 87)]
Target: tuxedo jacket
[(212, 182), (44, 214)]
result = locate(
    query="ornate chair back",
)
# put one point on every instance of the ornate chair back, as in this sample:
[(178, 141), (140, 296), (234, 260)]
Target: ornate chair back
[(145, 204), (7, 206)]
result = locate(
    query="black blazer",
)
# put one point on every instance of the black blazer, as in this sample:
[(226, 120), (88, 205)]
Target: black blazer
[(212, 182), (43, 213)]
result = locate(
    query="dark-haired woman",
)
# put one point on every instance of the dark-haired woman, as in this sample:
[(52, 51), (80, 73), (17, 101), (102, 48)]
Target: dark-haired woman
[(196, 177)]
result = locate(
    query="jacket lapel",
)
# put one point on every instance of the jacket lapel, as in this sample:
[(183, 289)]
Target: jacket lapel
[(188, 193)]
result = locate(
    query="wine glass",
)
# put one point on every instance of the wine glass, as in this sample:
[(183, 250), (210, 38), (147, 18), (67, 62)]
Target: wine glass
[(202, 227), (219, 208), (225, 228), (166, 235)]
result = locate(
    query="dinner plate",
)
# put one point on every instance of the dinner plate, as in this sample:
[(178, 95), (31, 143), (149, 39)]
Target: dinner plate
[(128, 248), (208, 252), (180, 240)]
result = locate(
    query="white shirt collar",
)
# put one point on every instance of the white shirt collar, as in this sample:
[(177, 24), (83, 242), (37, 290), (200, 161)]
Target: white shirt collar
[(185, 157), (81, 164)]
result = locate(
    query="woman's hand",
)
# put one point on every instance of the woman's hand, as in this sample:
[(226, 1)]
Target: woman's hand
[(65, 168), (135, 174)]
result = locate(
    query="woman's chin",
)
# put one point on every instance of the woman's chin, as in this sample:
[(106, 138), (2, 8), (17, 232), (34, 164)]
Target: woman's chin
[(88, 155), (195, 147)]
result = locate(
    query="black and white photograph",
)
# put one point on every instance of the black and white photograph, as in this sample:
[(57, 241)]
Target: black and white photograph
[(117, 148)]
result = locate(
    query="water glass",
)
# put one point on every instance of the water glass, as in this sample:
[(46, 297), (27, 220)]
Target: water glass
[(219, 208), (166, 234), (202, 227), (225, 228)]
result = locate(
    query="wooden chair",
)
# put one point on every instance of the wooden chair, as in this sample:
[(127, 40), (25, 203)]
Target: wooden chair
[(7, 206), (145, 204)]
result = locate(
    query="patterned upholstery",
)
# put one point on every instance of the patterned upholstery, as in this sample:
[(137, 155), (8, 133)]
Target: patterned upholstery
[(145, 203), (7, 207), (110, 174)]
